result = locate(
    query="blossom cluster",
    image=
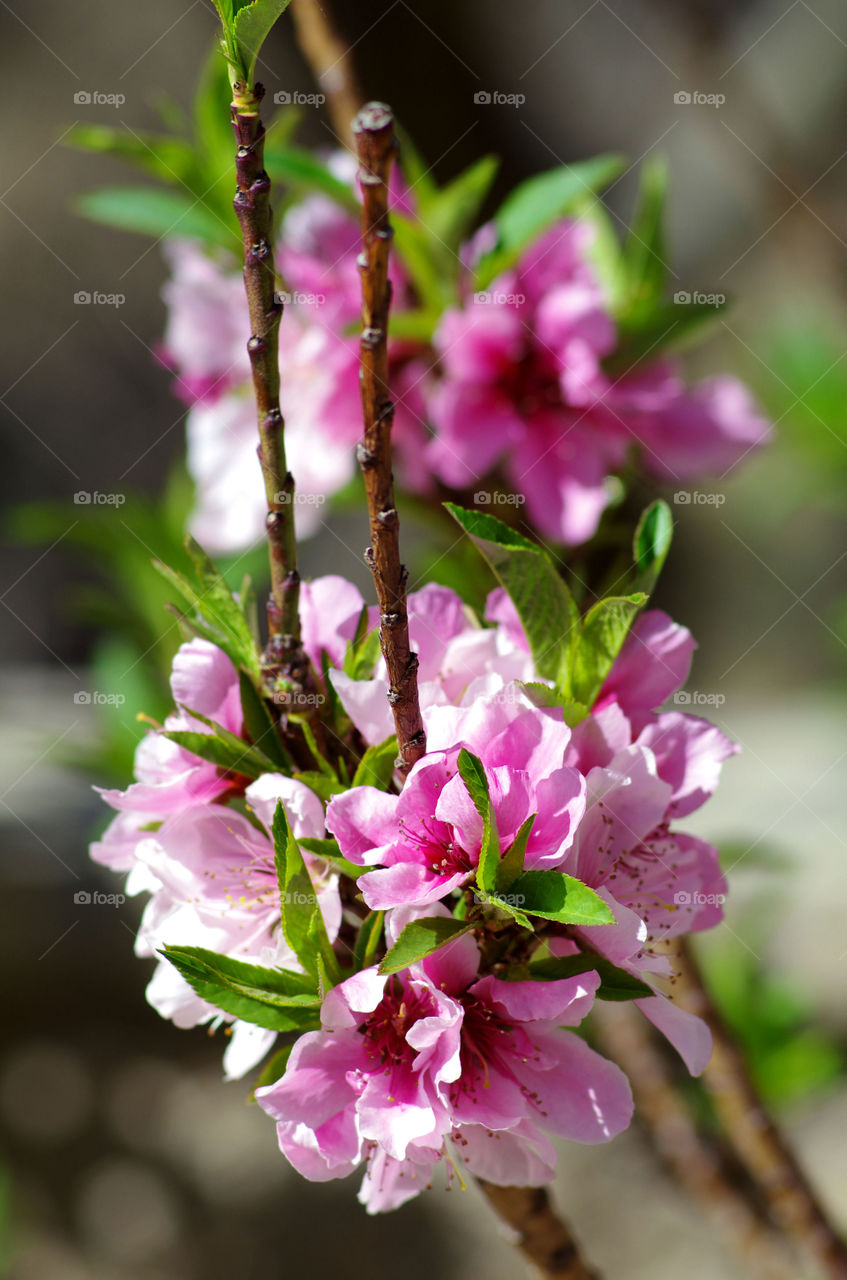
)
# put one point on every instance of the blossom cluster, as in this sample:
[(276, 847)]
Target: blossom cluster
[(463, 1052), (514, 386)]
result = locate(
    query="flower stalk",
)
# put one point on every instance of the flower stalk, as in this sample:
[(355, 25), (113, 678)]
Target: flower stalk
[(755, 1138), (283, 656), (543, 1238), (375, 144)]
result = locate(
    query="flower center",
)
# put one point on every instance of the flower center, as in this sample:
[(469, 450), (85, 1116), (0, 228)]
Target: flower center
[(436, 839), (386, 1029)]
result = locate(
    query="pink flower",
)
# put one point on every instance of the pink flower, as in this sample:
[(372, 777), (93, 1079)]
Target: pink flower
[(404, 1063), (453, 652), (426, 841), (525, 391)]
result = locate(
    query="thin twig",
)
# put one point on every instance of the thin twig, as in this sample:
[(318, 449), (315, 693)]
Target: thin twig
[(755, 1138), (374, 131), (625, 1036), (543, 1238), (253, 209), (330, 60)]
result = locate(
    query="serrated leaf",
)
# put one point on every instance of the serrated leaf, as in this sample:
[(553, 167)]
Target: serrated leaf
[(556, 896), (604, 629), (252, 26), (615, 983), (420, 939), (651, 544), (234, 756), (472, 773), (150, 211), (543, 602), (537, 204), (217, 615), (273, 998), (511, 864), (376, 767), (504, 902)]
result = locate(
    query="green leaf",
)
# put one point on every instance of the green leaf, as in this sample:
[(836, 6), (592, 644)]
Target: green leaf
[(260, 726), (604, 629), (150, 211), (545, 606), (451, 212), (651, 544), (615, 983), (667, 326), (512, 861), (217, 614), (377, 765), (272, 998), (274, 1068), (645, 252), (294, 166), (560, 897), (170, 159), (302, 922), (472, 773), (228, 752), (537, 204), (504, 902), (420, 939), (253, 23), (368, 940), (328, 851), (325, 788), (430, 266), (362, 655)]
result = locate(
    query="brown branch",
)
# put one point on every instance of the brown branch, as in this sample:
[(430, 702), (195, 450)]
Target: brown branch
[(544, 1239), (374, 131), (331, 62), (253, 209), (625, 1036), (754, 1136)]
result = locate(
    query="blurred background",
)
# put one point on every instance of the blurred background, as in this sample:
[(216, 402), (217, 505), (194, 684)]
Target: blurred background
[(122, 1154)]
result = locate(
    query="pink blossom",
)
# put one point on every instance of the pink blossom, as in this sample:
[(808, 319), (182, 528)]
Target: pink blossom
[(426, 841), (453, 653), (405, 1063), (525, 392)]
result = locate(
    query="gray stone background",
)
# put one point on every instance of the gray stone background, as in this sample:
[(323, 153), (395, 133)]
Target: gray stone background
[(130, 1159)]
